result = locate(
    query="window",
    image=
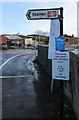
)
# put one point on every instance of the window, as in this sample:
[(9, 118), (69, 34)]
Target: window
[(66, 40)]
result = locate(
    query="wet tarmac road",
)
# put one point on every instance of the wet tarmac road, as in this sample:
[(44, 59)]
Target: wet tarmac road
[(24, 92)]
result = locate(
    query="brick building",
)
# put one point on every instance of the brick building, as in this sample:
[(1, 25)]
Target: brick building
[(3, 42), (70, 40)]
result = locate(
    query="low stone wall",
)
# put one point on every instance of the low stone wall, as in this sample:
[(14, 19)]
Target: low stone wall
[(71, 87), (74, 81), (43, 59)]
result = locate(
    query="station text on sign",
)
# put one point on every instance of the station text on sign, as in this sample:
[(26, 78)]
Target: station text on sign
[(38, 14)]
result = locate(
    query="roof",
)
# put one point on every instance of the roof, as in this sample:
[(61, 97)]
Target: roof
[(14, 37)]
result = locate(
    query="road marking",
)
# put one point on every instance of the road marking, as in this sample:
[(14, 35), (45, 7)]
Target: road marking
[(20, 76), (10, 59)]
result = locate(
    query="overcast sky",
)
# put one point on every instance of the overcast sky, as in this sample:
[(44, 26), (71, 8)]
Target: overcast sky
[(14, 19)]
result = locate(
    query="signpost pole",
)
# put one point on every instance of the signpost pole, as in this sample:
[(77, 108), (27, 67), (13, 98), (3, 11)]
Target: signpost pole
[(51, 85), (61, 82)]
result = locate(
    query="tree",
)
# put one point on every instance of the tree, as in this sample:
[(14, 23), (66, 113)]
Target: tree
[(42, 36), (39, 32)]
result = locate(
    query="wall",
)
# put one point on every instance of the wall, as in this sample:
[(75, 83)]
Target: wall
[(43, 59), (74, 69), (71, 87)]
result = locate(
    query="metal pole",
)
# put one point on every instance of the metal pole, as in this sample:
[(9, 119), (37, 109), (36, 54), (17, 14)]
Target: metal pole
[(61, 82), (61, 21), (51, 85)]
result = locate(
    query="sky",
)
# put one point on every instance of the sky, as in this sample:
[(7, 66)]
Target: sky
[(14, 20)]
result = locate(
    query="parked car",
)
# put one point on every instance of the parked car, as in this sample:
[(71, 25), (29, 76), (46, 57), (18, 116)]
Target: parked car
[(13, 47)]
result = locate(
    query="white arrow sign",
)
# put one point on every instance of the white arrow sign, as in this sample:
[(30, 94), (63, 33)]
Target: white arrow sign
[(42, 14)]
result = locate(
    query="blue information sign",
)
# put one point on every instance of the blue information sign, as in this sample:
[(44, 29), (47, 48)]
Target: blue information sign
[(60, 43)]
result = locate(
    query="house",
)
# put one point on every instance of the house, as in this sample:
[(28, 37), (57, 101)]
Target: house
[(14, 41), (39, 39), (3, 42), (70, 40), (29, 40)]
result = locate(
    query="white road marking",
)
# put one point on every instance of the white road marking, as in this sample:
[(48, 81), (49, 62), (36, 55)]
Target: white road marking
[(20, 76), (10, 59)]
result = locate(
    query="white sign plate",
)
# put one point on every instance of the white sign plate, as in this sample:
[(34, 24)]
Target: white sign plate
[(60, 65), (42, 14), (54, 32)]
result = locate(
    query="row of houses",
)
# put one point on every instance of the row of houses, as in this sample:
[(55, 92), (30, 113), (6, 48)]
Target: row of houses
[(22, 41), (16, 41)]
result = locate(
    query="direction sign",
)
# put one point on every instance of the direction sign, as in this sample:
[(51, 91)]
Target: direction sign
[(42, 14), (60, 65)]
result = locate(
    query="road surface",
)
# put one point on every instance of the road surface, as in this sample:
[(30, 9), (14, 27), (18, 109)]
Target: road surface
[(23, 96)]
